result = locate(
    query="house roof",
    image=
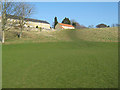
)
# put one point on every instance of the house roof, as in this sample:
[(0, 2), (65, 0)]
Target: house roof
[(66, 25), (27, 19), (35, 20)]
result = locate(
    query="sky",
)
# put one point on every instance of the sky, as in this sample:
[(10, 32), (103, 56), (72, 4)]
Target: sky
[(86, 13)]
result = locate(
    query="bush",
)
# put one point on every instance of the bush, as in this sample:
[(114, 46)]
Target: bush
[(101, 26), (36, 26)]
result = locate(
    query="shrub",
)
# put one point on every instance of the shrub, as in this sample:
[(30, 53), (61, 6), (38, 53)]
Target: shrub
[(36, 26)]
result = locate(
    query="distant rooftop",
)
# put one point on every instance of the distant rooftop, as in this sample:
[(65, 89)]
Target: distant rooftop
[(27, 19), (66, 25)]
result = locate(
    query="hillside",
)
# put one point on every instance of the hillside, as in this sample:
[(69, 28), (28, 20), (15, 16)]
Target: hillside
[(96, 35), (68, 59)]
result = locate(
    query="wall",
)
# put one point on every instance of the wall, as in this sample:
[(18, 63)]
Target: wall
[(65, 27), (33, 24), (58, 27)]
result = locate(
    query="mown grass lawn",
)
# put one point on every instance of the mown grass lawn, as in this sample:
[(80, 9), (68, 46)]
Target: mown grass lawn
[(60, 65)]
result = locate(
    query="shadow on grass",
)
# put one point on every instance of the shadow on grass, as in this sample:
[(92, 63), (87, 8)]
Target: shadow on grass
[(72, 34)]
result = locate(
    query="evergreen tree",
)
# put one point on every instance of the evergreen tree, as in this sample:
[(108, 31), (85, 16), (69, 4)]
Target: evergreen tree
[(66, 21), (55, 22), (74, 24)]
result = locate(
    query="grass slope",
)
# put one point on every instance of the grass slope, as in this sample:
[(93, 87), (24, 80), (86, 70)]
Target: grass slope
[(60, 65), (93, 34), (96, 35)]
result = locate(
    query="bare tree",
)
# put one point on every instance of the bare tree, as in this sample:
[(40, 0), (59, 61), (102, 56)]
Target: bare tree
[(7, 9), (0, 23), (19, 9), (114, 25), (73, 22), (23, 11), (76, 24), (91, 26)]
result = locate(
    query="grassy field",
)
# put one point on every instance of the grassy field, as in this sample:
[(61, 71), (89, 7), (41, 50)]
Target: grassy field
[(72, 62)]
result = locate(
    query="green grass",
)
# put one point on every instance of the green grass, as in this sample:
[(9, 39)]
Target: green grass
[(77, 64), (85, 58)]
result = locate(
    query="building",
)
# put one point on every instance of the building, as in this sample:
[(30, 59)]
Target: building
[(37, 23), (64, 26), (29, 22)]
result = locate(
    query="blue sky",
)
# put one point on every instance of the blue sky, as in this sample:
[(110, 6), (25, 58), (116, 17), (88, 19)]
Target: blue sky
[(86, 13)]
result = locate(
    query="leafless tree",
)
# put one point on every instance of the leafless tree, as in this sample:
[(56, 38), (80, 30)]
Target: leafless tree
[(76, 24), (72, 21), (115, 25), (7, 8), (91, 26), (0, 22), (19, 9), (23, 11)]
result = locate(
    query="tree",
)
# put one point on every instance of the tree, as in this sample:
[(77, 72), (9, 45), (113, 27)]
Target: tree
[(114, 25), (73, 22), (55, 22), (66, 21), (6, 9), (76, 24), (101, 26), (23, 11), (16, 9), (0, 22), (91, 26)]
